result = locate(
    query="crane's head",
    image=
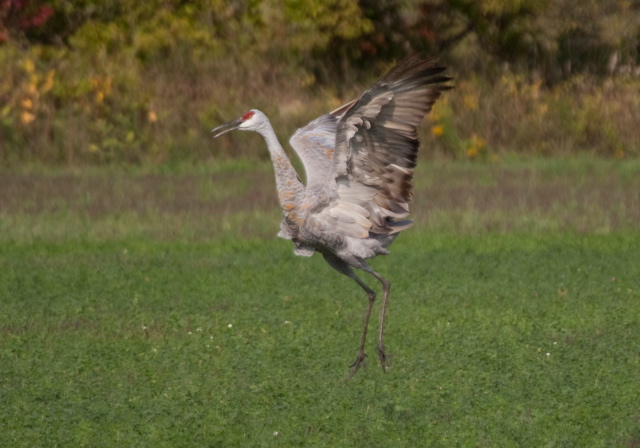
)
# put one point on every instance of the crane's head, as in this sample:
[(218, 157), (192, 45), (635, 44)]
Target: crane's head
[(251, 121)]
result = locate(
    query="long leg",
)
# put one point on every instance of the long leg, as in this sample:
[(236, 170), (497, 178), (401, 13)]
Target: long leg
[(342, 267), (386, 287)]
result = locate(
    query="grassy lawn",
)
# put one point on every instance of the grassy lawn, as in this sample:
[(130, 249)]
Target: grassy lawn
[(158, 309)]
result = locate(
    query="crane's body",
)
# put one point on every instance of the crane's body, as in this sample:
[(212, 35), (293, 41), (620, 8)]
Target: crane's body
[(359, 162)]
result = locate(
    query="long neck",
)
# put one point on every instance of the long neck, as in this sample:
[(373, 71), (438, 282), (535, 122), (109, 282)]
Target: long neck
[(290, 189)]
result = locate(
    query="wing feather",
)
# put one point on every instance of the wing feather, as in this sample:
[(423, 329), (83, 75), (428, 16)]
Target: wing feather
[(315, 145), (368, 182)]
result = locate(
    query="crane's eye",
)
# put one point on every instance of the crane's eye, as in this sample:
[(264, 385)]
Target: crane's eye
[(248, 115)]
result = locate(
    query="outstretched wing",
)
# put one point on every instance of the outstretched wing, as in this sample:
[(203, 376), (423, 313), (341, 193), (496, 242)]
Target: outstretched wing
[(315, 145), (370, 184)]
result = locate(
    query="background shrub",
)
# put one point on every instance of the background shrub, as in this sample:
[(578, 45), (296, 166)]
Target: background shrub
[(129, 82)]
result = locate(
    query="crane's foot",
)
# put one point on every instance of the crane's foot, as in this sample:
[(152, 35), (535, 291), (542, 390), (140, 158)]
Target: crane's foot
[(382, 356), (360, 360)]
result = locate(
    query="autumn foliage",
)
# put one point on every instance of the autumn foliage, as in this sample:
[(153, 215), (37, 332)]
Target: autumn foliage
[(142, 82)]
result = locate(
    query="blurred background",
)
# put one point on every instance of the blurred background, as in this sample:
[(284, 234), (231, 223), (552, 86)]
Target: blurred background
[(120, 82)]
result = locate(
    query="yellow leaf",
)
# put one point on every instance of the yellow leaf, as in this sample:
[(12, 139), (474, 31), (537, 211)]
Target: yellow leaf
[(27, 103), (48, 83), (437, 130), (471, 101), (478, 142), (29, 66), (27, 117)]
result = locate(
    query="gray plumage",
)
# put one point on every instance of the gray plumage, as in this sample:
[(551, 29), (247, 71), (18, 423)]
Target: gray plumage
[(359, 162)]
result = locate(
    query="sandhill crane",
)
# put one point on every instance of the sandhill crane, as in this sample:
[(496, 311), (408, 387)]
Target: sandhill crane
[(359, 162)]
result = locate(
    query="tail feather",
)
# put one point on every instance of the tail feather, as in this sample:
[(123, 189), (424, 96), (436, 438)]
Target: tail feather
[(385, 240)]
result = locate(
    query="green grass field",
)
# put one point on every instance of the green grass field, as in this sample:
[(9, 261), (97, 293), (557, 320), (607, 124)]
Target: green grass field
[(157, 308)]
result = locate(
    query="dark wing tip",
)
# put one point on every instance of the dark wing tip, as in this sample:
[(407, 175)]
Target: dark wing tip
[(410, 66)]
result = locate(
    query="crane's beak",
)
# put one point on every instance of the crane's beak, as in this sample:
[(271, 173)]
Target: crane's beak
[(224, 128)]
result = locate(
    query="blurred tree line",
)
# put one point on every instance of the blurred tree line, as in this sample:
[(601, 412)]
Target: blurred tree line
[(551, 39), (113, 71)]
